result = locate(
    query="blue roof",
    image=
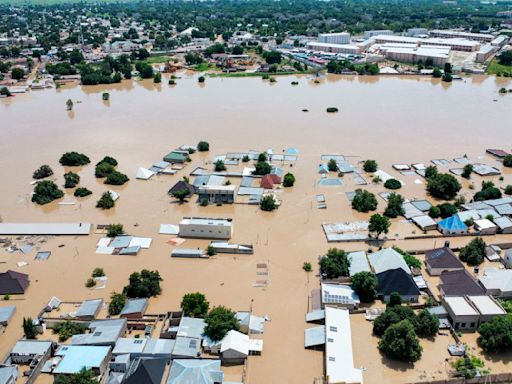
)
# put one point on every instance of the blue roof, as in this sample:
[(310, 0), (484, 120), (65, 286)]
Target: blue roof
[(323, 168), (292, 151), (76, 357), (453, 223)]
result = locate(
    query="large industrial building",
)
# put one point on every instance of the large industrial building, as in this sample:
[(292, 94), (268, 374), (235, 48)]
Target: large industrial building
[(447, 34), (206, 228), (334, 38), (334, 48)]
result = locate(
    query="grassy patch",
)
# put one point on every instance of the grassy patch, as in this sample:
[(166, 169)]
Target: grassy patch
[(158, 59), (203, 67), (495, 67)]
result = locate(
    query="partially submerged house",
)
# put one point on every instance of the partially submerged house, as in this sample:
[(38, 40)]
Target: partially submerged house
[(339, 295), (176, 157), (387, 259), (89, 309), (236, 347), (399, 281), (441, 260), (24, 351), (145, 370), (199, 371), (459, 283), (497, 282), (13, 283), (468, 312), (486, 227), (70, 359), (358, 262), (216, 194), (8, 374), (208, 228), (102, 333), (182, 185), (6, 314), (267, 182), (134, 308), (452, 225)]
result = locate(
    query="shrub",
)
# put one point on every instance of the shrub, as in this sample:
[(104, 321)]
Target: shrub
[(82, 192), (45, 192), (109, 160), (434, 212), (507, 161), (74, 159), (71, 180), (219, 321), (200, 79), (508, 190), (334, 264), (117, 302), (115, 230), (370, 166), (395, 206), (143, 284), (67, 329), (103, 169), (116, 178), (157, 78), (364, 201), (98, 272), (245, 159), (219, 166), (332, 109), (42, 172), (288, 180), (90, 282), (392, 184), (307, 266), (447, 78), (400, 342), (333, 167), (488, 192), (105, 96), (268, 203), (474, 252), (411, 260), (195, 305), (467, 171), (106, 201), (469, 367), (211, 251), (443, 186), (172, 82), (365, 285), (203, 146)]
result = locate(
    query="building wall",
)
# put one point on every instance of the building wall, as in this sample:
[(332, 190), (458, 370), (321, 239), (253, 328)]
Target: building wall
[(334, 38), (438, 271), (407, 298), (216, 198), (205, 231)]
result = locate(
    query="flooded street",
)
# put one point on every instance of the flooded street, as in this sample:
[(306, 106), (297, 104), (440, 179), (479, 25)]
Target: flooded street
[(392, 120)]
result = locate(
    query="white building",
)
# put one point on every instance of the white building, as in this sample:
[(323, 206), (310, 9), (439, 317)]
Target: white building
[(206, 228), (381, 32), (497, 282), (236, 346), (408, 53), (334, 48), (413, 32), (334, 38), (485, 52), (339, 295), (447, 34)]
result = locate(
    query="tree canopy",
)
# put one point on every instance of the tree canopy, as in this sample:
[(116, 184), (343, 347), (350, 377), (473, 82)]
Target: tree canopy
[(443, 186), (74, 159), (219, 321), (496, 335), (474, 252), (378, 224), (395, 205), (365, 285), (45, 192), (334, 264), (364, 201), (143, 284), (195, 305), (400, 342)]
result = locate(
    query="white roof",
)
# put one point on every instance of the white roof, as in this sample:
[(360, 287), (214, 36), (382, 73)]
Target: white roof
[(45, 228), (338, 294), (205, 221), (494, 278), (460, 306), (387, 259), (339, 360), (143, 242), (169, 229), (236, 341), (486, 305), (484, 224), (144, 174)]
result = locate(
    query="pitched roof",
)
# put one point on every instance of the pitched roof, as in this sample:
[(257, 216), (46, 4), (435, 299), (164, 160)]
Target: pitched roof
[(459, 283), (453, 223), (197, 371), (180, 186), (267, 182), (442, 258), (147, 371), (275, 178), (396, 280), (13, 283), (387, 259)]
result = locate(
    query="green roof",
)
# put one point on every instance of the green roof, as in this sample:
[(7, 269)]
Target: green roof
[(173, 157)]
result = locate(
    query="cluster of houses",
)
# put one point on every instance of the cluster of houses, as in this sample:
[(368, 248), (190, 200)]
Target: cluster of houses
[(122, 350)]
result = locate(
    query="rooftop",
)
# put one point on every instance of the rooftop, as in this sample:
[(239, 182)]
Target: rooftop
[(486, 305), (76, 357), (460, 306), (206, 221)]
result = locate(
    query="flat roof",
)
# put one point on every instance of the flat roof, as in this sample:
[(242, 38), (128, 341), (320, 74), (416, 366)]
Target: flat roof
[(460, 306), (486, 305), (339, 360), (332, 45), (206, 221), (45, 228), (191, 327), (31, 347), (76, 357), (135, 306), (89, 308)]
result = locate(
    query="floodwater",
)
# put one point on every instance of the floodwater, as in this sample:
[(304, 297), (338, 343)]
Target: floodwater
[(392, 120)]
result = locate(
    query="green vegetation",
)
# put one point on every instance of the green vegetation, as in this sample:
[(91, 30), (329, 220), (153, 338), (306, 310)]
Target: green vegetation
[(203, 146), (219, 166), (74, 159), (200, 79), (365, 285), (364, 201), (106, 201), (219, 321), (90, 283), (29, 329), (474, 252), (69, 105), (496, 335), (467, 171), (181, 195), (109, 160), (117, 303), (82, 192), (370, 166), (447, 210), (431, 171), (436, 73), (67, 329), (195, 305), (469, 367), (157, 78), (399, 342), (507, 161), (332, 165), (288, 180), (443, 186), (143, 284), (306, 266), (85, 376), (332, 110), (394, 208), (45, 192), (347, 66), (268, 203), (392, 184), (98, 272), (378, 224), (262, 168), (116, 178), (211, 251), (71, 180), (334, 264), (495, 68), (5, 91), (508, 190), (105, 96), (412, 261), (103, 169), (115, 230), (488, 192), (42, 172)]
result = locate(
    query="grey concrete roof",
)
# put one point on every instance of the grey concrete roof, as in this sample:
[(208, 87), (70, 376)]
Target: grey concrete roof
[(135, 306), (103, 332), (201, 371), (45, 228), (191, 327), (186, 347), (6, 314), (31, 347), (314, 336), (89, 308)]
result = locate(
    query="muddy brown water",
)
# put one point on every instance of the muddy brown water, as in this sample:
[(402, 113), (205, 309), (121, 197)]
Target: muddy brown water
[(393, 120)]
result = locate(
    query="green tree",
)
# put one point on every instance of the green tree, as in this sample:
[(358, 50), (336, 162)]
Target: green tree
[(181, 195), (69, 105), (364, 201), (469, 367), (392, 184), (268, 203), (467, 171), (67, 329), (219, 321), (195, 305), (488, 192), (334, 264), (474, 252), (400, 342), (496, 335), (365, 285), (272, 57), (391, 316), (426, 324), (98, 272), (29, 329), (82, 192), (103, 169), (85, 376), (378, 224), (507, 161), (109, 160), (116, 178), (333, 167), (306, 266), (395, 205), (436, 73), (115, 230), (143, 284), (447, 210), (42, 172), (105, 96), (200, 79), (73, 159), (394, 300), (71, 180), (17, 73), (430, 171), (288, 180), (106, 201), (434, 212), (45, 192), (203, 146), (117, 303), (219, 166), (262, 168), (5, 91), (157, 78), (443, 186), (506, 58), (370, 166), (409, 259), (508, 190), (211, 251), (447, 78)]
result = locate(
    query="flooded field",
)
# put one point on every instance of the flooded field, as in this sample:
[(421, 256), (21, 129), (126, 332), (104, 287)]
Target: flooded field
[(392, 120)]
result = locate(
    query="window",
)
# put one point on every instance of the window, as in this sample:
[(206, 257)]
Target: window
[(332, 358), (97, 334), (330, 340), (333, 329), (138, 341), (463, 325), (472, 325)]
